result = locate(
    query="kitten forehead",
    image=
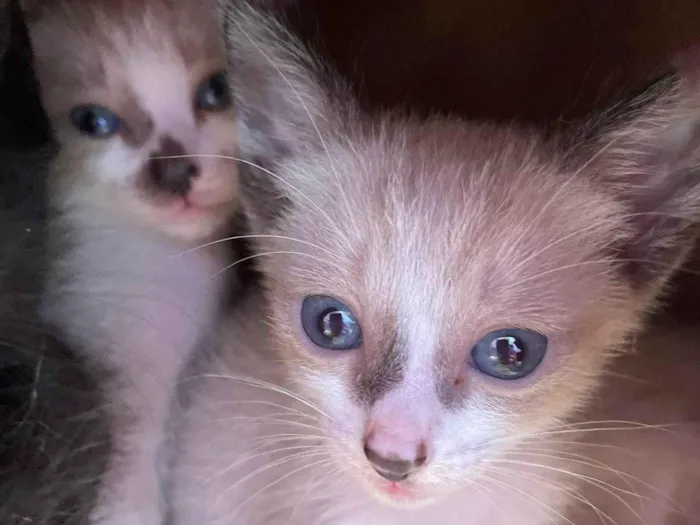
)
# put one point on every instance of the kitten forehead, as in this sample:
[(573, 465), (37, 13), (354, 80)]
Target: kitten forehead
[(449, 220), (435, 242), (106, 42), (161, 84)]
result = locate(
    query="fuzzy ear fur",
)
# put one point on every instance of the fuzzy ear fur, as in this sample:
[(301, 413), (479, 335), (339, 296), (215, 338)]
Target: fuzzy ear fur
[(285, 96), (649, 154), (287, 100)]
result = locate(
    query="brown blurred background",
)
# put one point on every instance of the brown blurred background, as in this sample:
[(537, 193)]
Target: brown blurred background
[(532, 59), (544, 61)]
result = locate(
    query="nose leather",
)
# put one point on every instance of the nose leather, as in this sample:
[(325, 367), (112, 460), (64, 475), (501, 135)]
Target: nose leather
[(173, 175), (170, 170), (393, 469)]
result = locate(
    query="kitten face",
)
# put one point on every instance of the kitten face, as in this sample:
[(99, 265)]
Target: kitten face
[(446, 293), (142, 110), (435, 253)]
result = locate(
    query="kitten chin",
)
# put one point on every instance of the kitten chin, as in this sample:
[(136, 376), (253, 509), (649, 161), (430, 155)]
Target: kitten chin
[(141, 187), (441, 299)]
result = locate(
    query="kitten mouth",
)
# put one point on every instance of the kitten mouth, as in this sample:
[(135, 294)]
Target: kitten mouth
[(399, 493), (190, 205), (396, 490)]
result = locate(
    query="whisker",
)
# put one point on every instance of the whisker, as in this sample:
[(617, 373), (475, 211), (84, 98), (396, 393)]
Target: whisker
[(258, 383), (236, 402), (557, 486), (568, 430), (271, 174), (590, 462), (266, 467), (313, 123), (280, 438), (253, 236), (279, 480), (277, 252), (263, 419), (607, 487), (250, 457), (310, 490), (540, 503)]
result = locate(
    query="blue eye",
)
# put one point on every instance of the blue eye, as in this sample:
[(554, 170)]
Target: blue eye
[(95, 121), (510, 353), (330, 324), (214, 94)]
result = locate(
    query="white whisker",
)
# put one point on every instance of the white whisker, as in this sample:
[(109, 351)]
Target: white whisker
[(298, 96), (272, 387)]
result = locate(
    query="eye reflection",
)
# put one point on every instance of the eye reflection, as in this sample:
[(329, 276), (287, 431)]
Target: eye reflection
[(330, 324), (509, 353)]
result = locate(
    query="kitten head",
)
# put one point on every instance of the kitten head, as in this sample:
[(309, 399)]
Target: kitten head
[(447, 292), (138, 97)]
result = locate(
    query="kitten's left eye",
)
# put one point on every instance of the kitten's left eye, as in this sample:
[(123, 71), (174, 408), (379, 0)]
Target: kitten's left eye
[(214, 94), (330, 324), (510, 353), (96, 121)]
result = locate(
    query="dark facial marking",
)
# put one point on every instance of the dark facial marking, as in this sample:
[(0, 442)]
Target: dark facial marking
[(377, 376), (451, 381), (137, 124), (169, 171)]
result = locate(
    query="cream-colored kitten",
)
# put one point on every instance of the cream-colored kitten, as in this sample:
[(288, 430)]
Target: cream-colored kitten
[(441, 301), (138, 98)]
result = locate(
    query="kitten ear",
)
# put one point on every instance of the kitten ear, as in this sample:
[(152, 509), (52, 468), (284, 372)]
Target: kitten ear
[(280, 87), (288, 103), (651, 158)]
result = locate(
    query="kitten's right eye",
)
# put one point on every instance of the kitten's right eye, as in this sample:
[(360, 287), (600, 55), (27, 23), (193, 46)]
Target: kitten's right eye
[(96, 121), (509, 354), (214, 94), (330, 324)]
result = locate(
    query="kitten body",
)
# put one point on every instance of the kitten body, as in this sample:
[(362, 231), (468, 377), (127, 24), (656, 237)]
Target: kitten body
[(440, 301), (137, 97)]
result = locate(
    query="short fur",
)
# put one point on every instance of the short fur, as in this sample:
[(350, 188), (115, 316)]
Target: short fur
[(128, 284), (434, 234)]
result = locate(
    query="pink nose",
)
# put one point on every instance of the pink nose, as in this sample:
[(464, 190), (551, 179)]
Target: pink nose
[(393, 456)]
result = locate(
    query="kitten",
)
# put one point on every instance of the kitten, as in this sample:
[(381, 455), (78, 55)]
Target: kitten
[(440, 301), (139, 102)]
